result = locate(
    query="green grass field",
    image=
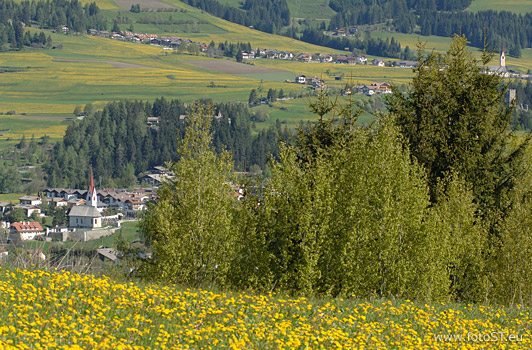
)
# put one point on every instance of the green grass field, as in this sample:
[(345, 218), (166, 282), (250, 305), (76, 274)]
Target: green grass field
[(316, 10), (11, 197), (517, 6), (43, 86), (293, 112), (14, 127)]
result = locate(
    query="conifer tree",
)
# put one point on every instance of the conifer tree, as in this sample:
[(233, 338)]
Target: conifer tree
[(454, 120)]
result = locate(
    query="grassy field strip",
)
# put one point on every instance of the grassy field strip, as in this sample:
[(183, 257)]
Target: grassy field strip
[(11, 197), (362, 74), (15, 126), (517, 6)]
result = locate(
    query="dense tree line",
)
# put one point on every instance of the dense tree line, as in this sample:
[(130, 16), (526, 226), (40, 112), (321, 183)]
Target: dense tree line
[(53, 14), (15, 16), (494, 28), (370, 46), (442, 18), (119, 145), (432, 202), (267, 16), (13, 36)]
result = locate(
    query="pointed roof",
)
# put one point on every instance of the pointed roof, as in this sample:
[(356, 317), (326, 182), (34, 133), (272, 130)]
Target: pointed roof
[(91, 185)]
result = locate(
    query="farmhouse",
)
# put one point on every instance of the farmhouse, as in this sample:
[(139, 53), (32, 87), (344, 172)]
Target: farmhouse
[(340, 32), (24, 230), (304, 57), (301, 79), (381, 88)]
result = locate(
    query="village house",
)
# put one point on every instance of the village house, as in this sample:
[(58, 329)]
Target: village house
[(272, 54), (361, 59), (28, 209), (304, 57), (325, 58), (381, 88), (378, 62), (366, 90), (340, 32), (318, 84), (5, 207), (24, 230), (58, 202), (285, 55), (30, 200), (313, 80), (301, 79), (407, 64)]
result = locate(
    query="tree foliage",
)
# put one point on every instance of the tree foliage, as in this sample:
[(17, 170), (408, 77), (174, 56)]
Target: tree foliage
[(454, 120), (190, 225)]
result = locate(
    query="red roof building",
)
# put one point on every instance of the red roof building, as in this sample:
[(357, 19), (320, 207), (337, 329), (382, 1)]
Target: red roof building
[(25, 230)]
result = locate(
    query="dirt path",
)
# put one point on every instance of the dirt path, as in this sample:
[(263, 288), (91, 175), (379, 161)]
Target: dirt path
[(231, 67), (144, 4), (116, 64)]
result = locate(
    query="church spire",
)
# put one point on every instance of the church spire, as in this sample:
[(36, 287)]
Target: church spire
[(92, 199), (502, 62)]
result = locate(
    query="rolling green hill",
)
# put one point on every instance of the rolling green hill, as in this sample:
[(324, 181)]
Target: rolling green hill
[(98, 70)]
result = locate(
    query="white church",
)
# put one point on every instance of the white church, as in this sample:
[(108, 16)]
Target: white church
[(501, 69), (86, 216)]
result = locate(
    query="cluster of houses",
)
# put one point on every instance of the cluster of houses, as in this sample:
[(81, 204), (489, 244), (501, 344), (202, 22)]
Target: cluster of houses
[(378, 88), (84, 207), (172, 42), (351, 31)]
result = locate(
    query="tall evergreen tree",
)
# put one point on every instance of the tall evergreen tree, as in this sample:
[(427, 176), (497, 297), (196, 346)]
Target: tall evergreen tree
[(454, 119)]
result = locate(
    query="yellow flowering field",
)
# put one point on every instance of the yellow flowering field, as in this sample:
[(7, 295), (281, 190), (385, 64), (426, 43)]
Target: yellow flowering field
[(40, 310)]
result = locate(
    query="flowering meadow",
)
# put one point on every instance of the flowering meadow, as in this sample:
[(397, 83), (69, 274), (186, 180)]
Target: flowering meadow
[(40, 310)]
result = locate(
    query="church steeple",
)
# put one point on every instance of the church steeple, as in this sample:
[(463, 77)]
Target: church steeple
[(502, 62), (92, 199)]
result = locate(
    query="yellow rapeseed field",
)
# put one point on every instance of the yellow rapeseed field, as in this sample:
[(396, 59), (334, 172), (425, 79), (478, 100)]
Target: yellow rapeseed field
[(49, 310)]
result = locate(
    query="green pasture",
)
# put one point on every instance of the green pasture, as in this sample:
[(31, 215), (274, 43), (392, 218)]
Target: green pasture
[(357, 74), (275, 76), (517, 6), (316, 10), (13, 128), (293, 112), (129, 232), (194, 24), (11, 197)]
